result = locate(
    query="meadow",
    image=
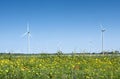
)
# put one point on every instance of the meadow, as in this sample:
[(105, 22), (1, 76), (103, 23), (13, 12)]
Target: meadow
[(59, 67)]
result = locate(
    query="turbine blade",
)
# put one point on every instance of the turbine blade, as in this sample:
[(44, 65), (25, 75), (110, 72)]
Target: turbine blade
[(24, 34), (28, 28), (30, 35), (101, 26)]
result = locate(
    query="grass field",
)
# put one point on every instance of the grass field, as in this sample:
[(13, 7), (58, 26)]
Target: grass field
[(59, 67)]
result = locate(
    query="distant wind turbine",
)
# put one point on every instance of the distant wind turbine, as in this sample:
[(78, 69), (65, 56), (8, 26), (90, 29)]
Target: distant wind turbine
[(102, 32), (27, 33)]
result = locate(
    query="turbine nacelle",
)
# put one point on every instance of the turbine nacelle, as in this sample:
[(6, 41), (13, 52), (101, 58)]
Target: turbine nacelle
[(103, 30)]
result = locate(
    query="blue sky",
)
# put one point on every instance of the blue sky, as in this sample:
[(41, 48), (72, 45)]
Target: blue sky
[(68, 25)]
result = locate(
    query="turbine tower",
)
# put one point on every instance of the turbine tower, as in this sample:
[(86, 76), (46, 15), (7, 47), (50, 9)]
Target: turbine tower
[(27, 33), (102, 32)]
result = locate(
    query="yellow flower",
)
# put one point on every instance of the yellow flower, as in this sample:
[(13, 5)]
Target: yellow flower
[(6, 70)]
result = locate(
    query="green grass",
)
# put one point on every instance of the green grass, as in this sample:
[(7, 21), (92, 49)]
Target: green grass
[(59, 67)]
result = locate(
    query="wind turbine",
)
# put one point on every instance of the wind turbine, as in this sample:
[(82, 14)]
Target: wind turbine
[(102, 32), (27, 33)]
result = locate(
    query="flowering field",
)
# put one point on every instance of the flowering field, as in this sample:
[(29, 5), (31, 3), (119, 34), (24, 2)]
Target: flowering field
[(59, 67)]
